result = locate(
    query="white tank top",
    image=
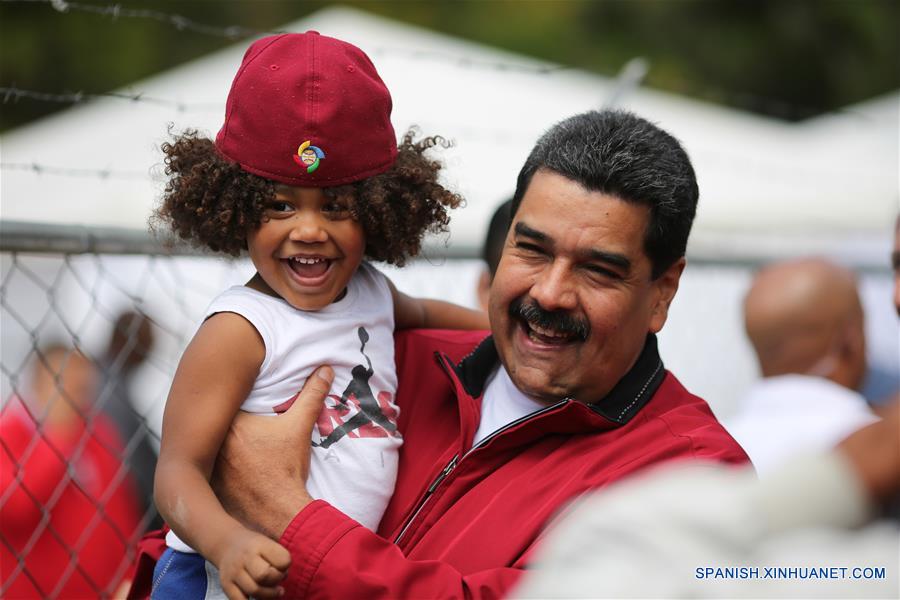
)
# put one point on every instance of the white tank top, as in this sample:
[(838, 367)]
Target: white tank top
[(353, 465)]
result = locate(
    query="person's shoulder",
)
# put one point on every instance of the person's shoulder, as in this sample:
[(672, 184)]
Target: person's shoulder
[(254, 306), (688, 418), (235, 299), (236, 291), (456, 344), (16, 421), (369, 281), (369, 274), (673, 396)]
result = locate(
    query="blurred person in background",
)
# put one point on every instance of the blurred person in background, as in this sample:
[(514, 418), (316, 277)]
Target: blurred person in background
[(805, 321), (895, 264), (128, 347), (68, 510), (491, 251), (883, 386)]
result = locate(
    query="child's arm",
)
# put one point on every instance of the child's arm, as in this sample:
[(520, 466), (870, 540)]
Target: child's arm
[(410, 313), (213, 378)]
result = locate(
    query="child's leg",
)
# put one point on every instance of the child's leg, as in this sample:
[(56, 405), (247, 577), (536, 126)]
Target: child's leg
[(185, 576)]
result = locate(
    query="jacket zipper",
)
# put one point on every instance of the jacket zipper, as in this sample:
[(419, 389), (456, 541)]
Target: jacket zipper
[(456, 460)]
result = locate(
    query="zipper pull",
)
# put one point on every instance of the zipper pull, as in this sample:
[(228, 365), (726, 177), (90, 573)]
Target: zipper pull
[(450, 466)]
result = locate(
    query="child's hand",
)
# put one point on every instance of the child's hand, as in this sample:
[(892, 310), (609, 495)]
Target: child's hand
[(253, 565)]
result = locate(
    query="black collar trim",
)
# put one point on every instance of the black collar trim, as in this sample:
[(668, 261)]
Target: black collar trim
[(632, 392), (635, 389), (474, 369)]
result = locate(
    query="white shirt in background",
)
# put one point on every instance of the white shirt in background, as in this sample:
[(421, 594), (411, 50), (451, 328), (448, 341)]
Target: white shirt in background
[(788, 414)]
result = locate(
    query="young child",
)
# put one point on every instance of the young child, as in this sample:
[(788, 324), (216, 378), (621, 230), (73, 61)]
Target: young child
[(305, 175)]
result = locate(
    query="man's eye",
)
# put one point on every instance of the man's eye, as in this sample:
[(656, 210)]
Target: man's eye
[(529, 248), (602, 272)]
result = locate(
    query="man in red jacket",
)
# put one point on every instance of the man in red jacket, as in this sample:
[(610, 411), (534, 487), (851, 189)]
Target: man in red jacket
[(567, 395)]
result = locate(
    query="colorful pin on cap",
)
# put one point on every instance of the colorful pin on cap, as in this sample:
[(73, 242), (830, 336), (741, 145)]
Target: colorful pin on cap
[(309, 110), (308, 156)]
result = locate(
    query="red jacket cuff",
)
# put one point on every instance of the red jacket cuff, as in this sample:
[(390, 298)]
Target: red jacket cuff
[(309, 537)]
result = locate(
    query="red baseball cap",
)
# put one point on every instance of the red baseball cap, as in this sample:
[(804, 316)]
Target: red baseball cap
[(309, 110)]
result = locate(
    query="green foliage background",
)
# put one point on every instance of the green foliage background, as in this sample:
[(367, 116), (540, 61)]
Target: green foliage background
[(787, 58)]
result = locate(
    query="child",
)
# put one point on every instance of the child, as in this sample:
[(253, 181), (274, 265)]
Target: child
[(306, 175)]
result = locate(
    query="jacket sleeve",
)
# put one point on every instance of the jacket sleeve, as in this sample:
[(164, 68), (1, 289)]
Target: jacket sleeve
[(333, 556)]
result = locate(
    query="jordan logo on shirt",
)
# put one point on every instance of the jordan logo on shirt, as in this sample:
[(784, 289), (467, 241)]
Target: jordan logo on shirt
[(372, 417)]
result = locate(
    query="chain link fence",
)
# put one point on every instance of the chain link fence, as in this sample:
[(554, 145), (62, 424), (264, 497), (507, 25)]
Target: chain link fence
[(93, 325), (94, 321)]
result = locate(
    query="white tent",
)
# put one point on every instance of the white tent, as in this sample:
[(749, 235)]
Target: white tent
[(768, 188), (760, 178)]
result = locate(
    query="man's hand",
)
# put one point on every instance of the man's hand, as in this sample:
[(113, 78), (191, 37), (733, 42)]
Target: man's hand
[(262, 467), (253, 565)]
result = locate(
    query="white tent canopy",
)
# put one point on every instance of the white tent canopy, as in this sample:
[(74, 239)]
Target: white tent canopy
[(796, 186)]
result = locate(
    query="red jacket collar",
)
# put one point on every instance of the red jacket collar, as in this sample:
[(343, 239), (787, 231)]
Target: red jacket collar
[(622, 403)]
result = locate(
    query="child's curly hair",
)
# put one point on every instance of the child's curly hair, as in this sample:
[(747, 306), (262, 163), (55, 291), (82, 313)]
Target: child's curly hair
[(213, 203)]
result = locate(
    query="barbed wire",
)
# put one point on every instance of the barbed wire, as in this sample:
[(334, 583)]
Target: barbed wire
[(179, 22), (12, 93), (42, 169), (234, 32), (764, 104)]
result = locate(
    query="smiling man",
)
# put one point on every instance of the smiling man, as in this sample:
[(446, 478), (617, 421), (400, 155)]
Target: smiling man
[(567, 395), (575, 294)]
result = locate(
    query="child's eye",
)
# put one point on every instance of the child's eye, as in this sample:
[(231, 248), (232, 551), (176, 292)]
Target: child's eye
[(278, 207), (336, 210)]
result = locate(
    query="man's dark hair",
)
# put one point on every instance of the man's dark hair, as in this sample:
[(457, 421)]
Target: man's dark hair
[(496, 236), (620, 154)]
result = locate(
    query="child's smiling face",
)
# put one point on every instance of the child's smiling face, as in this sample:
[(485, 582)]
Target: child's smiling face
[(307, 247)]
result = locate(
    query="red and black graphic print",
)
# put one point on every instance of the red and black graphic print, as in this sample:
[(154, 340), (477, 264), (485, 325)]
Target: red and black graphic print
[(374, 417), (357, 412)]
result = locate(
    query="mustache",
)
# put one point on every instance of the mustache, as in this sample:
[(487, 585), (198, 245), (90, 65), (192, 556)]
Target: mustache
[(562, 322)]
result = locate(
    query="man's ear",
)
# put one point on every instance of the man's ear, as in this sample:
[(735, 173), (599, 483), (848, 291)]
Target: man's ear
[(664, 288), (852, 352)]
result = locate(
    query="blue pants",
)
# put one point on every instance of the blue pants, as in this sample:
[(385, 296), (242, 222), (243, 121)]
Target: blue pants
[(185, 576)]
